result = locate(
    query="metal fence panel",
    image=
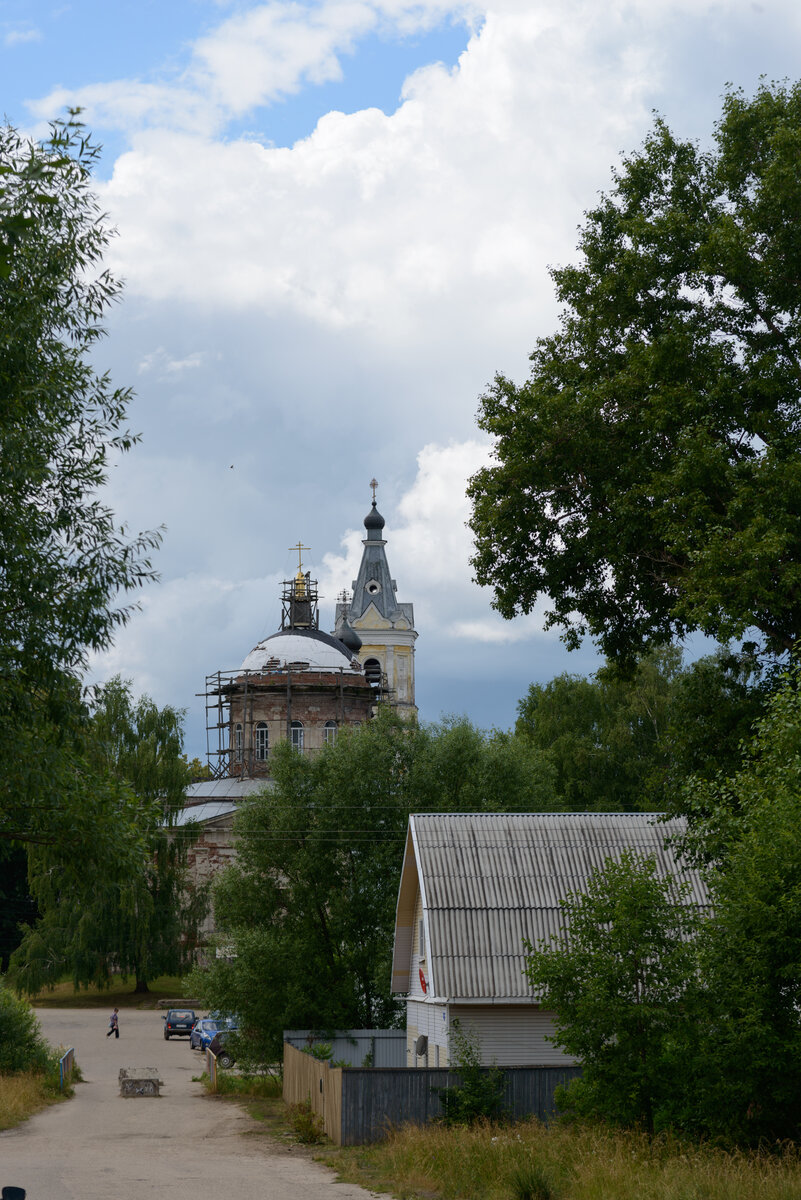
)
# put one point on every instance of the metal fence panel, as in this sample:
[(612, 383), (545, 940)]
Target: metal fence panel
[(374, 1101), (356, 1047)]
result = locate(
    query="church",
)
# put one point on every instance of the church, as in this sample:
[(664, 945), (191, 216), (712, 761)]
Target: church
[(302, 686)]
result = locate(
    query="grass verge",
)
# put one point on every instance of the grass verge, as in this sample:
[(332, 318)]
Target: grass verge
[(121, 993), (26, 1093), (530, 1161)]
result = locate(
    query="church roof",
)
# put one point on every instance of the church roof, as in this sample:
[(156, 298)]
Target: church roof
[(312, 647), (374, 584)]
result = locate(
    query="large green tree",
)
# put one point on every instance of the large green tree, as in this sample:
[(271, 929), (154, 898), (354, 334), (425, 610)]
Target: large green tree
[(749, 1084), (65, 565), (622, 983), (309, 906), (632, 742), (143, 920), (647, 476)]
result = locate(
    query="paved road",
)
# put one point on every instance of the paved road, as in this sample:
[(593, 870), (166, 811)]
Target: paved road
[(184, 1145)]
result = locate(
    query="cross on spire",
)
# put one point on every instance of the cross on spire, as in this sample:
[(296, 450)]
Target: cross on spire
[(300, 548), (373, 485)]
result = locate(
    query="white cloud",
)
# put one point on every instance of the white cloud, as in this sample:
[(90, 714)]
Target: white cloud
[(160, 362), (19, 37)]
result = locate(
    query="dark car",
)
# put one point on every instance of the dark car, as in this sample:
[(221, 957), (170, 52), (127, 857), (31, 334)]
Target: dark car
[(178, 1022), (220, 1048)]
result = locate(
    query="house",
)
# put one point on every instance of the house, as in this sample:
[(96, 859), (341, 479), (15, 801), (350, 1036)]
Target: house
[(473, 887)]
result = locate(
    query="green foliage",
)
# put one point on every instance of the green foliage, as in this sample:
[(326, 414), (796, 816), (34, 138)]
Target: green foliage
[(141, 919), (622, 985), (309, 906), (321, 1051), (64, 564), (22, 1046), (627, 743), (750, 1087), (531, 1182), (647, 477), (306, 1125), (479, 1094)]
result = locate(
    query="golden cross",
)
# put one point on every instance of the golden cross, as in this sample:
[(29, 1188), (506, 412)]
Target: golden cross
[(373, 485), (300, 548)]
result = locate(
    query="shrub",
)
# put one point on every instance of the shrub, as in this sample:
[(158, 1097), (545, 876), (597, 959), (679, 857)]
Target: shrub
[(22, 1047), (479, 1096), (307, 1126)]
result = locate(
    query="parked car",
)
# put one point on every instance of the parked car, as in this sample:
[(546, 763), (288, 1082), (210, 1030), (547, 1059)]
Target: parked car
[(219, 1047), (178, 1022), (202, 1033)]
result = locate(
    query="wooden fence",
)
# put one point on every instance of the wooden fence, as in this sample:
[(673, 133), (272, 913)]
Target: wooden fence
[(359, 1104)]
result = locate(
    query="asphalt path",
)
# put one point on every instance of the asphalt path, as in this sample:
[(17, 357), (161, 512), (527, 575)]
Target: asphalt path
[(183, 1145)]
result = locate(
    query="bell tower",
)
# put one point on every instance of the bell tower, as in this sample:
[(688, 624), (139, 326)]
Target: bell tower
[(384, 624)]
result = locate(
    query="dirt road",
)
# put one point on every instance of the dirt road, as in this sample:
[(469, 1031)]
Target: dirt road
[(184, 1145)]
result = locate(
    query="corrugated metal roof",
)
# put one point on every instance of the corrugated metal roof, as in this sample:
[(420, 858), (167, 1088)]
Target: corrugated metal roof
[(491, 880), (217, 789), (205, 812)]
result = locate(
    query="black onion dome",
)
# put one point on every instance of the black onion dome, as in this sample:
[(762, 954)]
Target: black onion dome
[(348, 636), (374, 520)]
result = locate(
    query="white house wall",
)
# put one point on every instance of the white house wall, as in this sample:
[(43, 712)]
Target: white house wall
[(512, 1035), (430, 1019)]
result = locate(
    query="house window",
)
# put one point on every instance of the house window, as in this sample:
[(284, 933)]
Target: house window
[(330, 732), (237, 743), (262, 740), (296, 734), (372, 669), (421, 939)]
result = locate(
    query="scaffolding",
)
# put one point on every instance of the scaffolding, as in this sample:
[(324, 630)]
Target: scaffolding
[(229, 758)]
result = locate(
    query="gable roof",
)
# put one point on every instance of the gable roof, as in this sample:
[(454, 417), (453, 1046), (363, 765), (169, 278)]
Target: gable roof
[(489, 880)]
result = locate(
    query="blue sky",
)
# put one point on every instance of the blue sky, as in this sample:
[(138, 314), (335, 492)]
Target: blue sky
[(335, 222)]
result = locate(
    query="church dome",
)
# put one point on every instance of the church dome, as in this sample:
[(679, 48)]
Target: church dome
[(374, 520), (348, 636), (315, 650)]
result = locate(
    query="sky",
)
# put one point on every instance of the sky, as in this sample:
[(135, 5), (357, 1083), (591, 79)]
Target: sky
[(335, 223)]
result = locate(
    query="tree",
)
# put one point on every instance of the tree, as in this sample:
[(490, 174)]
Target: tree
[(749, 1084), (309, 906), (622, 984), (64, 563), (647, 477), (627, 743), (144, 920)]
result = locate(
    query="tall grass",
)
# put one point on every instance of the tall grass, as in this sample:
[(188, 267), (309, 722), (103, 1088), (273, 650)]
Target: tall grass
[(533, 1162), (26, 1093)]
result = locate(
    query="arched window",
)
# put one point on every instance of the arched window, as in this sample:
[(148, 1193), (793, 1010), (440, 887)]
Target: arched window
[(262, 741), (372, 669), (296, 734), (237, 742), (330, 732)]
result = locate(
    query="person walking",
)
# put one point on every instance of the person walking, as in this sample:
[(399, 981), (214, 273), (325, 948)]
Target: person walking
[(114, 1024)]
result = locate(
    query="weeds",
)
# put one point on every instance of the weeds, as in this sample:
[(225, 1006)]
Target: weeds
[(307, 1126), (531, 1161), (26, 1093), (530, 1183)]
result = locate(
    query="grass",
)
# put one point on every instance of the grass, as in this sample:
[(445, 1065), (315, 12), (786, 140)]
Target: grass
[(121, 993), (27, 1093), (533, 1162)]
